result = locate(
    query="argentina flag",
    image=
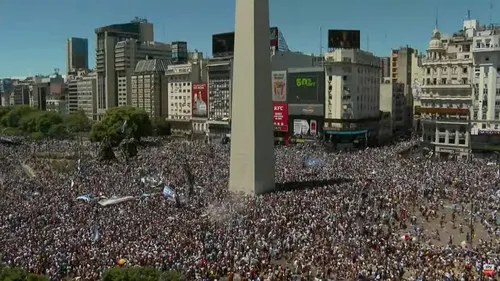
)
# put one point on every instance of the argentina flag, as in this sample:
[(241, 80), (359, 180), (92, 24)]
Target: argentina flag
[(96, 235), (168, 192)]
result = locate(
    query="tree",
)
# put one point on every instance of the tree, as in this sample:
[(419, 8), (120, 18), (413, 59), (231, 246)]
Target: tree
[(18, 274), (13, 116), (161, 127), (77, 122), (111, 126)]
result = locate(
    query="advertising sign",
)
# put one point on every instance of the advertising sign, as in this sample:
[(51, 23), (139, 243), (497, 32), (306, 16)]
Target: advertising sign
[(200, 99), (313, 127), (306, 109), (280, 116), (223, 44), (274, 37), (279, 85), (306, 87), (344, 39)]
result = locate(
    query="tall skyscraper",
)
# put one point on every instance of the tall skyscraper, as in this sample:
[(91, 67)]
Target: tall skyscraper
[(252, 139), (107, 38), (77, 54)]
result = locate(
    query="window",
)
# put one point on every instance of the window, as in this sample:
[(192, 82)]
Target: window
[(464, 70), (487, 59), (344, 78)]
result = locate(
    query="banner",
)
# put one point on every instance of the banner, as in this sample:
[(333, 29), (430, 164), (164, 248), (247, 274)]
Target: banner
[(313, 127), (200, 99), (280, 116), (279, 85)]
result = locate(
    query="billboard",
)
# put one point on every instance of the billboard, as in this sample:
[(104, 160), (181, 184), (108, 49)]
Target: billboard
[(344, 39), (306, 109), (200, 99), (274, 37), (223, 43), (306, 126), (306, 88), (280, 116), (279, 85)]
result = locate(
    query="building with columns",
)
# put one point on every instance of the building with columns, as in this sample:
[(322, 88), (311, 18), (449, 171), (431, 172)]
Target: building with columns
[(446, 97)]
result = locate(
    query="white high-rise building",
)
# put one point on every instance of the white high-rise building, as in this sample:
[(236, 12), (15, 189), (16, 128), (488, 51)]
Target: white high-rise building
[(352, 91), (486, 104), (447, 94)]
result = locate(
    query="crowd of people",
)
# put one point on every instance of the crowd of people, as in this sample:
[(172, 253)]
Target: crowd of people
[(375, 214)]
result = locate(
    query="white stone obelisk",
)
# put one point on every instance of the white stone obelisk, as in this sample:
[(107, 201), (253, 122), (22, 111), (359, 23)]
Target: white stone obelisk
[(252, 139)]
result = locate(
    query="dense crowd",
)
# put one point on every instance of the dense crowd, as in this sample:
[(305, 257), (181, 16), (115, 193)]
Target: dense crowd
[(368, 214)]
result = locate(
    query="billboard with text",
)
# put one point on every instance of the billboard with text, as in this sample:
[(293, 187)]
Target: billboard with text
[(200, 99), (305, 88), (279, 85), (344, 39), (280, 116)]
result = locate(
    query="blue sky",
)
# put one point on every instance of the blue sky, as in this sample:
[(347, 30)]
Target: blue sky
[(33, 32)]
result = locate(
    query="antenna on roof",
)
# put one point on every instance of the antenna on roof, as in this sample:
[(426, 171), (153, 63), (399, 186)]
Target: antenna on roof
[(468, 14), (491, 10), (437, 17)]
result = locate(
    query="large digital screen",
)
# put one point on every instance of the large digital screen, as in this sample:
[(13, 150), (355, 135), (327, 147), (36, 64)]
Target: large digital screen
[(344, 39), (305, 88), (223, 44)]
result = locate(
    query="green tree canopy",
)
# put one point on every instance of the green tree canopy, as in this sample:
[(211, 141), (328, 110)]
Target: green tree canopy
[(111, 126), (78, 122), (18, 274), (161, 127)]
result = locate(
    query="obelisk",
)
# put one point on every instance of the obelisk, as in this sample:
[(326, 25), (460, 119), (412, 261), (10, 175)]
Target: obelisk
[(252, 139)]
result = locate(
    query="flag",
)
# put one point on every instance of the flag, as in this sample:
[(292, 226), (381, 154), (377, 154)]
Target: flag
[(124, 126), (168, 192), (96, 235), (86, 198), (78, 164)]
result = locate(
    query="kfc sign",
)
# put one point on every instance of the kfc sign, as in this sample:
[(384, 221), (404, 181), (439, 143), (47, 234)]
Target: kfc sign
[(280, 116)]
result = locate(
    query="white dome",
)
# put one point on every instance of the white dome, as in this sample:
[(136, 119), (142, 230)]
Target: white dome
[(435, 43)]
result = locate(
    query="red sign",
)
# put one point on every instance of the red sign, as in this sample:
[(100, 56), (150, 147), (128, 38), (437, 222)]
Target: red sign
[(280, 116), (200, 99), (274, 37)]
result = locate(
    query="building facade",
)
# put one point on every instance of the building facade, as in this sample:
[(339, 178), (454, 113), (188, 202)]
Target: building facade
[(447, 95), (392, 100), (219, 72), (106, 39), (352, 96), (77, 54), (149, 89)]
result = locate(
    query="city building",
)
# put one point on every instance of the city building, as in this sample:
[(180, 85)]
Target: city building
[(127, 54), (447, 94), (392, 100), (39, 92), (107, 38), (20, 95), (405, 63), (81, 94), (352, 97), (181, 78), (77, 54), (385, 68), (219, 72), (149, 89), (179, 52), (5, 85), (486, 81), (87, 95)]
